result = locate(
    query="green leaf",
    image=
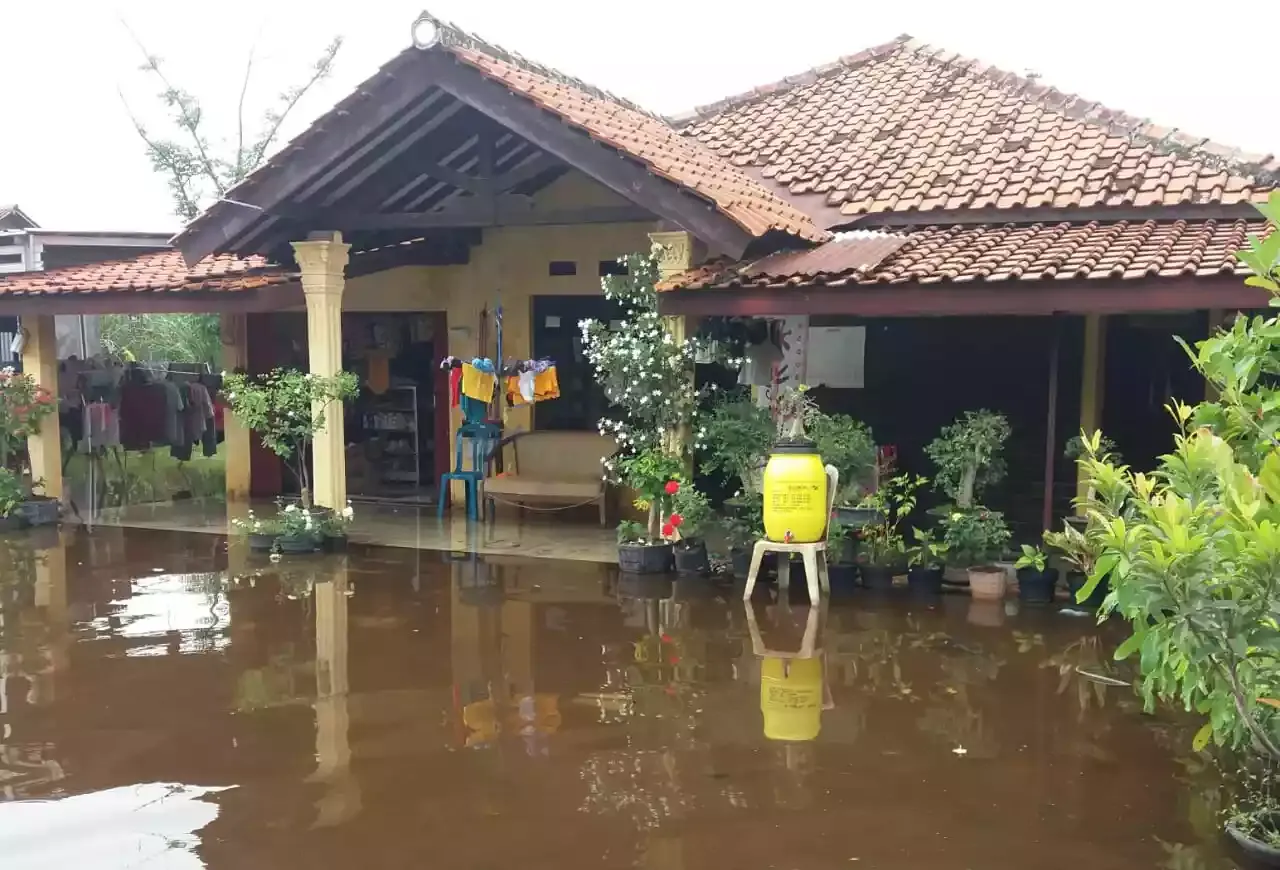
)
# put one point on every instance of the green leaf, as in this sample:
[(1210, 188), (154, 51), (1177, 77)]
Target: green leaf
[(1201, 740), (1130, 646)]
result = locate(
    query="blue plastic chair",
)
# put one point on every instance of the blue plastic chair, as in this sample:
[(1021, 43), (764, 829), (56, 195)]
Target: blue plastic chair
[(484, 439)]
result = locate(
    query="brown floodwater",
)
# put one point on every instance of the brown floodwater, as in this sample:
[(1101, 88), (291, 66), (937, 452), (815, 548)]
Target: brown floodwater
[(167, 703)]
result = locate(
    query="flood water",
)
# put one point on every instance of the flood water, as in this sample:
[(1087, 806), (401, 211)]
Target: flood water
[(165, 703)]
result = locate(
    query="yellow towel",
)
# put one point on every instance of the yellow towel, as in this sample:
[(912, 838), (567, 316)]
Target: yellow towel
[(477, 384), (546, 385)]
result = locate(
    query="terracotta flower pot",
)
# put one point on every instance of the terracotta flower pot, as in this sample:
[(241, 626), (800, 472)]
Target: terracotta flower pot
[(988, 582)]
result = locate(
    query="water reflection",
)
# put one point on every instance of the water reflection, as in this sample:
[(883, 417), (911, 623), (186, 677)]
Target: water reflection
[(392, 707)]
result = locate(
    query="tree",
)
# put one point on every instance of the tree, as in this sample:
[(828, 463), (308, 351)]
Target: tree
[(199, 168)]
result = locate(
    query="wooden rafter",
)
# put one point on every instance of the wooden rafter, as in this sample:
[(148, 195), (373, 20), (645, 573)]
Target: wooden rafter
[(504, 211)]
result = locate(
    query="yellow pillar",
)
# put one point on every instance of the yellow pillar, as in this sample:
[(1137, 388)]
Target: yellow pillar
[(1092, 384), (235, 356), (40, 360), (341, 800), (675, 255), (322, 260)]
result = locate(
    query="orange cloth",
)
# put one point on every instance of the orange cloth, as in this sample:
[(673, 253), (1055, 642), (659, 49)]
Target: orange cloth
[(379, 373), (546, 385)]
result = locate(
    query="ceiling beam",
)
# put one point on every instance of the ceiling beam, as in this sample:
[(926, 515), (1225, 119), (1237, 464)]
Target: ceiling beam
[(973, 298), (503, 211), (290, 170), (270, 298), (614, 169), (527, 170)]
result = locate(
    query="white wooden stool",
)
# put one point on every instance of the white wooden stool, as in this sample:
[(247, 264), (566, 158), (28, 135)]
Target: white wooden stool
[(813, 554)]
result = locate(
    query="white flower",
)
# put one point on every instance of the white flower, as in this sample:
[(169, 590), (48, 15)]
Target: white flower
[(290, 508), (348, 512)]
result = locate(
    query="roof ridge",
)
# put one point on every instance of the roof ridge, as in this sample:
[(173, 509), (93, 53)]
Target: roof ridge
[(451, 34), (1264, 168)]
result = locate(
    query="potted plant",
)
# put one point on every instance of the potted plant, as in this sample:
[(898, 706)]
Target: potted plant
[(11, 498), (299, 530), (743, 527), (261, 533), (654, 476), (24, 405), (286, 408), (333, 528), (883, 548), (924, 563), (1036, 580), (975, 539), (736, 438), (842, 569), (969, 456), (1081, 548), (848, 445), (684, 527)]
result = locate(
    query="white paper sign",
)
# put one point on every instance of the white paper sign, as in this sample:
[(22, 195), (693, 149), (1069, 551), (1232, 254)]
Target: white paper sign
[(837, 356)]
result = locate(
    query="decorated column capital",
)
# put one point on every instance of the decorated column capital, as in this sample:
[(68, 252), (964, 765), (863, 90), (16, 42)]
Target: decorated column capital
[(675, 252), (322, 260)]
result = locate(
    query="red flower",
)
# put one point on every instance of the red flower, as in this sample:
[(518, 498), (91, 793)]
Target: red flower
[(668, 530), (673, 486), (676, 521)]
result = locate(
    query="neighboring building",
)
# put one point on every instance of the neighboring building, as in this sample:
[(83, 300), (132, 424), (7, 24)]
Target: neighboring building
[(25, 247)]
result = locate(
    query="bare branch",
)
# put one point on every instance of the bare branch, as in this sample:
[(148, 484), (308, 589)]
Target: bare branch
[(275, 118), (240, 171)]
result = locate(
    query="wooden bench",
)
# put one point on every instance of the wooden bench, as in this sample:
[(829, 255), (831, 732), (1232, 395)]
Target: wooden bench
[(556, 469)]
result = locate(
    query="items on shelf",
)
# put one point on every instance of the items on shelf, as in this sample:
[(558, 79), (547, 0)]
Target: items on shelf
[(396, 425)]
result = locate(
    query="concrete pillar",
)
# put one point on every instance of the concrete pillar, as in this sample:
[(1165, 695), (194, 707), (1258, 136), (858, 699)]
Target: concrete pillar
[(676, 256), (341, 800), (40, 360), (1092, 384), (233, 331), (322, 261)]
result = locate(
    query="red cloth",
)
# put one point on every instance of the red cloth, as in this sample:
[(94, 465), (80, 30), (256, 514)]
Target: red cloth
[(142, 410), (455, 387)]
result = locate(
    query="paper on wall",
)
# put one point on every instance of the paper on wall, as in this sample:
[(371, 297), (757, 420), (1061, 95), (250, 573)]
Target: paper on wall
[(837, 356)]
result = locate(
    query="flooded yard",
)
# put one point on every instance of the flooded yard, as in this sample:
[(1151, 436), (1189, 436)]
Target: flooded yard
[(166, 703)]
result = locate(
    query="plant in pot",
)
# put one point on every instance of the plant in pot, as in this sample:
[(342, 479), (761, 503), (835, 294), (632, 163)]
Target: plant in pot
[(333, 529), (743, 527), (287, 408), (655, 477), (299, 529), (975, 539), (925, 559), (684, 527), (12, 496), (848, 445), (883, 549), (842, 569), (261, 533), (1036, 580), (969, 455), (1080, 548), (736, 437), (24, 405)]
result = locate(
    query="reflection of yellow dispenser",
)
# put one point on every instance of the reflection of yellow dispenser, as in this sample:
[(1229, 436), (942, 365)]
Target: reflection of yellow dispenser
[(791, 698)]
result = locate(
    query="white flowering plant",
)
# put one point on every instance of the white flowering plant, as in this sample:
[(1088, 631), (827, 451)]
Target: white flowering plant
[(300, 521), (287, 408), (645, 371), (252, 524)]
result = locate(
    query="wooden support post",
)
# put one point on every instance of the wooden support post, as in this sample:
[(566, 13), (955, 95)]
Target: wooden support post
[(1051, 425), (1092, 385)]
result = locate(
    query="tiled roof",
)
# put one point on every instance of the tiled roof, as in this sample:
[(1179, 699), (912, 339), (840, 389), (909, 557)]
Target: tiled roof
[(159, 271), (905, 126), (640, 136), (927, 255)]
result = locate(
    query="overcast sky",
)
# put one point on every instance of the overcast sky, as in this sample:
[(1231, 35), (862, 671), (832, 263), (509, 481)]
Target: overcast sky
[(70, 157)]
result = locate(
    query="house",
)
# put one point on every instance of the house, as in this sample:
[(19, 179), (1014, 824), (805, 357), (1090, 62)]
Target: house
[(1001, 244)]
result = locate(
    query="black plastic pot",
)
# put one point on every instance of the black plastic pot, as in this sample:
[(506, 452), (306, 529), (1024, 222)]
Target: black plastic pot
[(925, 581), (1076, 581), (645, 558), (13, 522), (1036, 587), (1261, 853), (296, 545), (843, 576), (856, 517), (40, 510), (261, 543), (878, 576), (691, 558)]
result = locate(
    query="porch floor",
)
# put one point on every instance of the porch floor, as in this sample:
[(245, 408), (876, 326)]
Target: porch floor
[(397, 525)]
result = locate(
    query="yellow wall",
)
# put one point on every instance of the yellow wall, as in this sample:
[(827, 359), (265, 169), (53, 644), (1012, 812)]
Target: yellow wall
[(511, 264)]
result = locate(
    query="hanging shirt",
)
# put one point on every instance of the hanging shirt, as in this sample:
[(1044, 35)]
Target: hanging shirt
[(173, 408), (757, 369)]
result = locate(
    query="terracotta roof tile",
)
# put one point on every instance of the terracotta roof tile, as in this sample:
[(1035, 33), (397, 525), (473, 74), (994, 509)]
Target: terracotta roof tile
[(650, 141), (908, 127), (928, 255), (159, 271)]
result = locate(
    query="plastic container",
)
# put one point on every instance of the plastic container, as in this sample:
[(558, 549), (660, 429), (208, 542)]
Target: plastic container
[(795, 494)]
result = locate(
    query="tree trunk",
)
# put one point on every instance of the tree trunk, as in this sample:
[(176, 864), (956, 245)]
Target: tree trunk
[(965, 497)]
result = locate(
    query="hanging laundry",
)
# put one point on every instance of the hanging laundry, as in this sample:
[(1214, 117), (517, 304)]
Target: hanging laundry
[(477, 382), (546, 385), (379, 380)]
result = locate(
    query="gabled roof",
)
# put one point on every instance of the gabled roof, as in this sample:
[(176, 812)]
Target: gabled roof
[(14, 218), (413, 97), (906, 127)]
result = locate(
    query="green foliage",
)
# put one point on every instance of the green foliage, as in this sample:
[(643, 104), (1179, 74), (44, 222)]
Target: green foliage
[(12, 492), (1032, 557), (736, 438), (194, 338), (848, 445), (976, 537), (24, 404), (694, 510), (646, 374), (927, 551), (649, 473), (969, 456), (1079, 548), (1076, 447), (287, 408), (882, 542), (631, 532), (793, 410), (746, 526), (299, 522), (198, 168)]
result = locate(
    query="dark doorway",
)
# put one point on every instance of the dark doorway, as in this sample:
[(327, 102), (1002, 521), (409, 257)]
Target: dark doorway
[(557, 336)]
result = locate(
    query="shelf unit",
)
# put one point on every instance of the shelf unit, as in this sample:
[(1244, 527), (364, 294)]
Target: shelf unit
[(401, 402)]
